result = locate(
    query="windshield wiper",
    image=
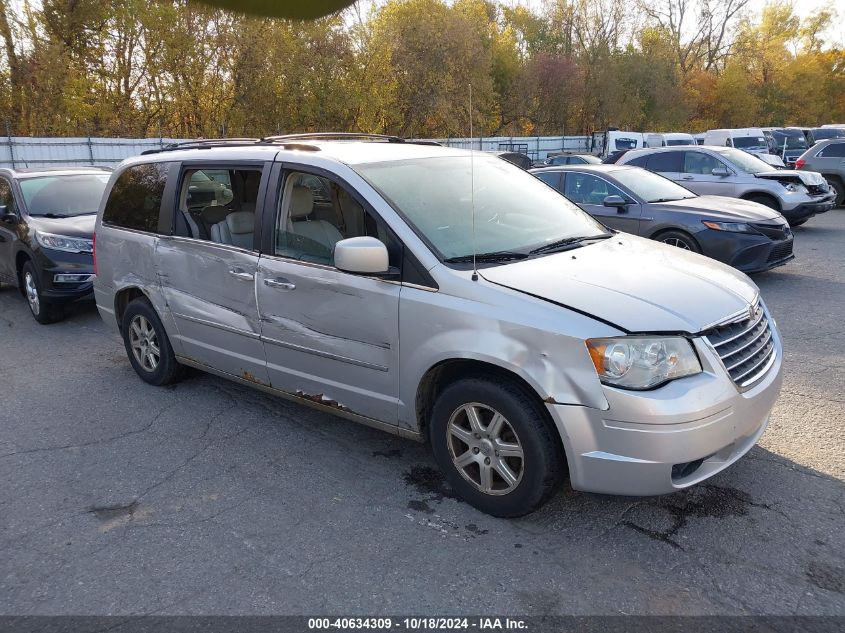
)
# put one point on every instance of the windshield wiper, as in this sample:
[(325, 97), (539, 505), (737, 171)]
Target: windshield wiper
[(50, 214), (496, 256), (569, 242)]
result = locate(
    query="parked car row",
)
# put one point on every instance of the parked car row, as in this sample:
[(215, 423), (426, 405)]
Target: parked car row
[(779, 147), (439, 295)]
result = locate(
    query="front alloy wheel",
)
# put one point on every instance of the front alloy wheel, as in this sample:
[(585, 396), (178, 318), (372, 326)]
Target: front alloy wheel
[(485, 449), (495, 444), (31, 289)]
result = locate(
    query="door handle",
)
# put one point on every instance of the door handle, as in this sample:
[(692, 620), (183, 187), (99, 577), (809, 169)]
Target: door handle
[(280, 283), (240, 273)]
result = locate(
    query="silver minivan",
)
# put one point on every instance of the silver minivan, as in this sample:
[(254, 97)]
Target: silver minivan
[(440, 295), (726, 171)]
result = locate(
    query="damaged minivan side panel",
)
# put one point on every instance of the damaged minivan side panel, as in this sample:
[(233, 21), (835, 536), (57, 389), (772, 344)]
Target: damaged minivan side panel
[(475, 320)]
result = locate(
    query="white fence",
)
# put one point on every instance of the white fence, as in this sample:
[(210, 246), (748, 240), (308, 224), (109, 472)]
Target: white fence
[(22, 152)]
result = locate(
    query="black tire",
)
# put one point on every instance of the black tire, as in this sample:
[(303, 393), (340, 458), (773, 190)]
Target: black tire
[(839, 188), (682, 240), (540, 470), (766, 201), (41, 309), (141, 325), (798, 222)]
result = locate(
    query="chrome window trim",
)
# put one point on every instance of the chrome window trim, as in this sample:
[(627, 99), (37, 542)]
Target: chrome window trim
[(194, 240)]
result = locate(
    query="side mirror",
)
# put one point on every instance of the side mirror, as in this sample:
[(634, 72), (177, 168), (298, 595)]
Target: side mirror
[(7, 216), (615, 201), (362, 255), (721, 172)]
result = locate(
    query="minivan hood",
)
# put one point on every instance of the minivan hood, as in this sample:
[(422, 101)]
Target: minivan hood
[(806, 178), (731, 209), (635, 284), (78, 226)]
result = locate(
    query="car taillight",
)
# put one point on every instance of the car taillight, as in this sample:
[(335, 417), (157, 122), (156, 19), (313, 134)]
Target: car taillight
[(800, 163), (94, 251)]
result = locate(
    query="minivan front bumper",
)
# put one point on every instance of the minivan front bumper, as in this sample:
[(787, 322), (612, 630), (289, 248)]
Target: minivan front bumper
[(660, 441)]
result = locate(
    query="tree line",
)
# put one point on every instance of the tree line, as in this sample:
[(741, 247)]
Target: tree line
[(182, 69)]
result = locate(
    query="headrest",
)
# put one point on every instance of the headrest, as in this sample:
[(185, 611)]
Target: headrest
[(240, 222), (301, 202), (214, 213)]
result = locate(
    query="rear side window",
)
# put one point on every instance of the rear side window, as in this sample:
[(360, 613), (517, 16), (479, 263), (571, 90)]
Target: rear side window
[(834, 150), (639, 161), (135, 199), (550, 178), (665, 161)]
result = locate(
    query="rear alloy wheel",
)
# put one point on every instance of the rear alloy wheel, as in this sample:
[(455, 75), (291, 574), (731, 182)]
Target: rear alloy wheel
[(495, 446), (43, 311), (147, 345), (680, 240)]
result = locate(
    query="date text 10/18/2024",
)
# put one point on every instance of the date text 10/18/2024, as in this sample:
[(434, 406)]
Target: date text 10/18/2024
[(417, 624)]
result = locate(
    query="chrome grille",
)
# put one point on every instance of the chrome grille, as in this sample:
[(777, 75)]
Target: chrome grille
[(746, 346)]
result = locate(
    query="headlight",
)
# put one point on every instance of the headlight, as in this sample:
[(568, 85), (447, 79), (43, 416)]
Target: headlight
[(62, 243), (634, 362), (731, 227), (793, 187)]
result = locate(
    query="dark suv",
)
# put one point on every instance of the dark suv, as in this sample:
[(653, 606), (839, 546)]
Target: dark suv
[(46, 235)]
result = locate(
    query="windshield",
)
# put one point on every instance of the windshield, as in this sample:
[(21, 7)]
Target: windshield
[(649, 186), (78, 194), (828, 132), (745, 162), (791, 140), (750, 142), (680, 141), (626, 143), (514, 210)]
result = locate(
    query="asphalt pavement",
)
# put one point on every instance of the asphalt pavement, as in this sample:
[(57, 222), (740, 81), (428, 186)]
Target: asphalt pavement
[(212, 498)]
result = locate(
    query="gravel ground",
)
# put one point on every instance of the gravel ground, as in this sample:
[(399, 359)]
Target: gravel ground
[(210, 498)]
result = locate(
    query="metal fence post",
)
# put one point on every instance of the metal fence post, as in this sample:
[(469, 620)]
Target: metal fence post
[(11, 150), (91, 150)]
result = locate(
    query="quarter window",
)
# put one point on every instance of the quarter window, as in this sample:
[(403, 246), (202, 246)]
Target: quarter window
[(316, 213), (700, 163), (834, 150), (135, 199), (551, 178)]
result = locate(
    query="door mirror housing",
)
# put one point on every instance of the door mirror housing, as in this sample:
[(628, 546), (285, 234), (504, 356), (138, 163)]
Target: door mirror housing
[(7, 216), (615, 201), (362, 255), (721, 172)]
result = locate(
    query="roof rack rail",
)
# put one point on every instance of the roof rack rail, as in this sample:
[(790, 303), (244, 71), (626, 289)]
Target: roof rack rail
[(203, 143), (332, 135)]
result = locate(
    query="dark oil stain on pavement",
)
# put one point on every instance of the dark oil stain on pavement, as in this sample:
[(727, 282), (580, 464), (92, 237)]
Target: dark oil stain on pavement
[(109, 513), (393, 453), (699, 502), (429, 482), (826, 577), (419, 506)]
